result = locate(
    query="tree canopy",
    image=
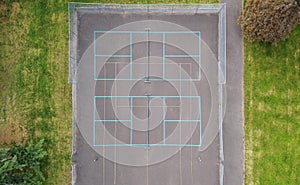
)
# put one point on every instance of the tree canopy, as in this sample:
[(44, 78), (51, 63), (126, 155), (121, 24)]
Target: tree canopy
[(21, 164), (269, 20)]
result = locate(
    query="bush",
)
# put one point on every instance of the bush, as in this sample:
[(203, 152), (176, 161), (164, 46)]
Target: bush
[(269, 20), (21, 164)]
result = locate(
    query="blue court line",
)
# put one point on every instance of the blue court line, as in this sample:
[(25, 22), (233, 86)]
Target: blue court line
[(179, 32), (180, 120), (200, 118), (151, 79), (111, 31), (112, 55), (167, 120), (145, 32), (130, 120), (144, 96), (94, 125), (112, 121), (146, 145), (181, 56)]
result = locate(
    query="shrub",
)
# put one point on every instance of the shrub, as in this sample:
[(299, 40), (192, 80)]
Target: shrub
[(269, 20), (21, 164)]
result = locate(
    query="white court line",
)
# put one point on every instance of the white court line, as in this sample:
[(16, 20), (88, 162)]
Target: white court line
[(147, 166), (115, 157), (104, 111), (148, 71), (192, 177), (156, 106), (180, 168)]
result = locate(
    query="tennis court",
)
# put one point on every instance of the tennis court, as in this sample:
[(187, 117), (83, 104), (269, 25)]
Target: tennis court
[(147, 94)]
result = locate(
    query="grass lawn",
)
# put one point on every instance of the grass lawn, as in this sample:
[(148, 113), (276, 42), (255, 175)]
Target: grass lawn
[(272, 112), (36, 99)]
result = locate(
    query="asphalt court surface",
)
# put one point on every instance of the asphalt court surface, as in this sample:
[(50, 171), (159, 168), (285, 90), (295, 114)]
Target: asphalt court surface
[(147, 58), (144, 102), (161, 48)]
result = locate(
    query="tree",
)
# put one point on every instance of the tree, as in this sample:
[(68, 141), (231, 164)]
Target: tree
[(21, 164), (269, 20)]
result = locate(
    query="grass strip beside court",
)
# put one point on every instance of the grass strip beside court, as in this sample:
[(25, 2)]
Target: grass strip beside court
[(272, 111)]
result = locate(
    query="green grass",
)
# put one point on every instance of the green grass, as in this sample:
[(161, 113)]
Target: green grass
[(272, 112), (35, 97)]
